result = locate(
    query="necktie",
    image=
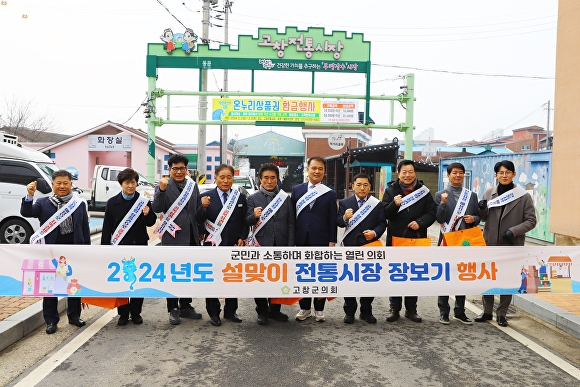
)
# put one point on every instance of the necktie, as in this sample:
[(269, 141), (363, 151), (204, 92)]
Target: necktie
[(360, 203), (225, 196), (312, 202)]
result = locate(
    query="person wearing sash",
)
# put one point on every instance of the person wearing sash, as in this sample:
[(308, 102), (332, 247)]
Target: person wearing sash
[(408, 216), (316, 211), (71, 230), (231, 230), (115, 232), (363, 215), (456, 210), (271, 213), (181, 229), (508, 212)]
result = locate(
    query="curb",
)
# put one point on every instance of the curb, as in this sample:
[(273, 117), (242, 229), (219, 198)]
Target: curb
[(24, 322), (560, 318)]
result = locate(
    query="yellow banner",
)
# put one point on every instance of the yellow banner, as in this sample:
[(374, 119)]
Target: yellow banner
[(242, 109)]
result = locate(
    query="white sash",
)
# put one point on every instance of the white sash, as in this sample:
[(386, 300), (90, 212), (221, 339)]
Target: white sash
[(56, 219), (458, 213), (129, 220), (360, 215), (414, 197), (215, 229), (508, 197), (267, 214), (310, 196), (166, 222)]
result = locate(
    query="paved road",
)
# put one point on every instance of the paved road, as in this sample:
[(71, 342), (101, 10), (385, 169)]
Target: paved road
[(299, 354)]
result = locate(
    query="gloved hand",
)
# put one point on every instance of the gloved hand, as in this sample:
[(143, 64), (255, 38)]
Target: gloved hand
[(508, 235), (482, 204)]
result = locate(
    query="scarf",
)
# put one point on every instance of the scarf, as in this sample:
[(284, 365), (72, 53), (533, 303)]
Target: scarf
[(269, 194), (180, 184), (66, 227), (407, 189)]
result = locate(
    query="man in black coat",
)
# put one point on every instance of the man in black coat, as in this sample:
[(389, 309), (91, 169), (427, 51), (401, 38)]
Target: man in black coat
[(73, 230), (369, 228), (410, 219)]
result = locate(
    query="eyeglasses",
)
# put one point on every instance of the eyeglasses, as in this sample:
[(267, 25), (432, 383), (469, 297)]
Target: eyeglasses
[(504, 173), (364, 185), (178, 169)]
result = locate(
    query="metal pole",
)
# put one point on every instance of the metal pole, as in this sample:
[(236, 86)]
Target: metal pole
[(201, 136), (151, 83), (224, 128), (409, 116), (548, 128)]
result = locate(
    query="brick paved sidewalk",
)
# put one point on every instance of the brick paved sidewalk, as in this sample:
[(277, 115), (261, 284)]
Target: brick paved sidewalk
[(11, 305)]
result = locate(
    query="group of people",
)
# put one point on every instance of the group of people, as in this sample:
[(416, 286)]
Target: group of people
[(307, 217)]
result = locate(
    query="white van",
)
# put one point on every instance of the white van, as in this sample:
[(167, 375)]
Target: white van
[(105, 185), (18, 167)]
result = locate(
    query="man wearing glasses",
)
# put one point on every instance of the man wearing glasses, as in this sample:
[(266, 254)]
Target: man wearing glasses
[(363, 215), (166, 194), (508, 212)]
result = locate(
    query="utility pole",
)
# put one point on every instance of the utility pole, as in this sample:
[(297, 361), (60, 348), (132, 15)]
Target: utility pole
[(548, 142), (224, 128), (201, 134)]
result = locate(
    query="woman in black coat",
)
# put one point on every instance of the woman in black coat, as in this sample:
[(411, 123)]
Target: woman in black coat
[(117, 207)]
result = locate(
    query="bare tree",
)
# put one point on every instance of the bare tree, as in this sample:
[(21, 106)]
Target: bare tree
[(238, 149), (24, 119)]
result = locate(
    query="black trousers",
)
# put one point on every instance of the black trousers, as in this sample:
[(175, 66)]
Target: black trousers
[(134, 307), (213, 306), (306, 303), (264, 306), (397, 302), (444, 308), (173, 303), (366, 307), (50, 309)]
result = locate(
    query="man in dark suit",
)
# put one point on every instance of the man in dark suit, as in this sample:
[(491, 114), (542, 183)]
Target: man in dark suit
[(364, 229), (73, 230), (278, 230), (232, 233), (409, 220), (165, 195), (445, 202), (315, 223)]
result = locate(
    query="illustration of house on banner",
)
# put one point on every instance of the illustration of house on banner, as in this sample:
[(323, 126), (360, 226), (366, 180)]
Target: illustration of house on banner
[(560, 274), (38, 277)]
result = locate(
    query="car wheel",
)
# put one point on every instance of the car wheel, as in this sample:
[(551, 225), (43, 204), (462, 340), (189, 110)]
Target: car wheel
[(15, 231)]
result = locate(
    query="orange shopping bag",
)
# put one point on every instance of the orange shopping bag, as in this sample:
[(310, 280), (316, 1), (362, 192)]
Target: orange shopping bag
[(104, 302), (468, 237), (360, 240), (403, 241)]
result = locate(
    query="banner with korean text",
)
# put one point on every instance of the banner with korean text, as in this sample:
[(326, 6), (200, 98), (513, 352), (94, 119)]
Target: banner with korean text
[(147, 271)]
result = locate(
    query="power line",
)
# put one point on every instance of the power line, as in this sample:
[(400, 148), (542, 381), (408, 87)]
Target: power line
[(135, 112), (465, 73)]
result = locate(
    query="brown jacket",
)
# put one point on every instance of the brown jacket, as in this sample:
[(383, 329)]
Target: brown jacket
[(518, 216)]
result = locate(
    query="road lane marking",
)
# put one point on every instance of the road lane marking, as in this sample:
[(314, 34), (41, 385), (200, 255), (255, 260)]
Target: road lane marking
[(543, 352), (42, 371)]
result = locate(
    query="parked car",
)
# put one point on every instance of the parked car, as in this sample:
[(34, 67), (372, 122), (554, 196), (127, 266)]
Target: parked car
[(105, 185), (247, 182)]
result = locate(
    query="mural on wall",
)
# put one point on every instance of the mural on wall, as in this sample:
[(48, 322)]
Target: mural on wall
[(532, 173)]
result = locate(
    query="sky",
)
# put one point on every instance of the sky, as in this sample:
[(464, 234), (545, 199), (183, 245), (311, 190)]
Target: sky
[(479, 66)]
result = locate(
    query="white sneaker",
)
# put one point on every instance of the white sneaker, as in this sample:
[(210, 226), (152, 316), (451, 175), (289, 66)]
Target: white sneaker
[(320, 316), (303, 314)]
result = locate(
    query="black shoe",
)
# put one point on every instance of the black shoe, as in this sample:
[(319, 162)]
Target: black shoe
[(215, 321), (79, 322), (189, 312), (233, 317), (368, 318), (137, 319), (263, 319), (444, 319), (123, 320), (463, 318), (349, 319), (174, 317), (50, 328), (393, 315), (502, 321), (413, 316), (278, 316), (483, 317)]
